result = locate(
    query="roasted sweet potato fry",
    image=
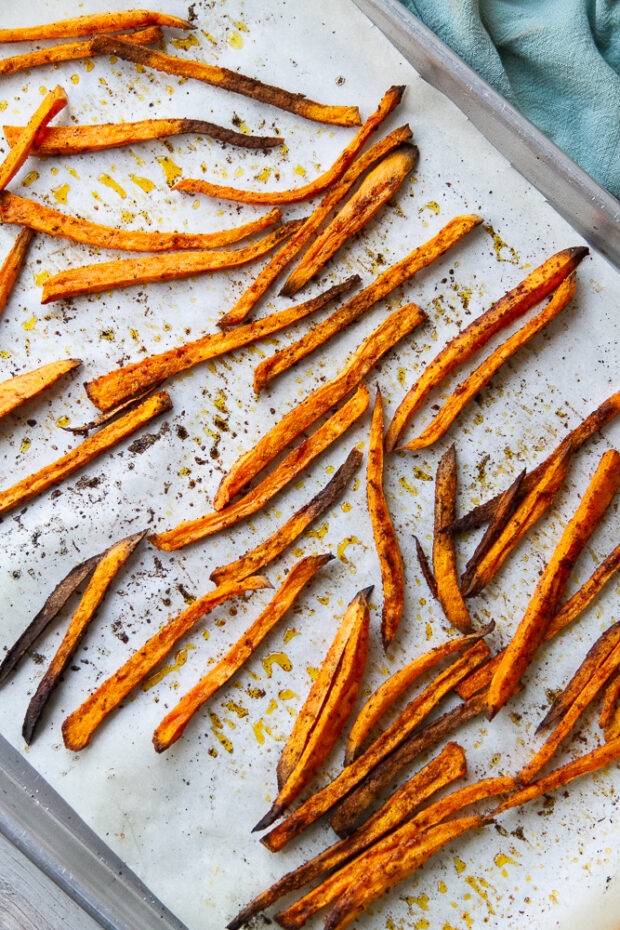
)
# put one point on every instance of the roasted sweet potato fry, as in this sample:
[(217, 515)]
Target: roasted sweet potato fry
[(84, 453), (108, 566), (173, 725), (543, 605), (117, 386), (354, 308), (335, 701), (506, 310), (92, 23), (91, 279), (70, 140), (612, 727), (425, 568), (380, 185), (384, 337), (479, 378), (611, 702), (444, 550), (229, 80), (386, 541), (23, 387), (43, 219), (268, 550), (307, 232), (390, 101), (12, 265), (79, 727), (102, 418), (52, 104)]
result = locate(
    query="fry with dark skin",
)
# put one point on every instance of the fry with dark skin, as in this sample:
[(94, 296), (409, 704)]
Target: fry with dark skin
[(174, 723), (390, 101), (103, 418), (50, 107), (107, 568), (425, 568), (610, 704), (95, 22), (117, 386), (377, 188), (354, 308), (444, 549), (538, 284), (268, 550), (22, 388), (12, 265), (229, 80)]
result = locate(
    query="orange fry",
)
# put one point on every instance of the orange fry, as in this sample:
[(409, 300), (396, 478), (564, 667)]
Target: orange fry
[(94, 22), (390, 101), (90, 279), (612, 728), (478, 379), (12, 265), (444, 550), (268, 550), (23, 387), (174, 723), (107, 437), (79, 727), (508, 308), (52, 104), (611, 701)]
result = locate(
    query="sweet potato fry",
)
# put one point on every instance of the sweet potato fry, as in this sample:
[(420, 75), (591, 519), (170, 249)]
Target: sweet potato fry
[(84, 453), (268, 550), (70, 140), (390, 101), (384, 337), (307, 232), (612, 728), (122, 383), (23, 387), (387, 281), (91, 279), (441, 770), (444, 550), (79, 727), (102, 418), (379, 186), (479, 378), (71, 51), (174, 723), (294, 463), (108, 566), (12, 265), (52, 104), (611, 701), (386, 541), (506, 310), (92, 23), (229, 80), (338, 700), (36, 216), (425, 568), (543, 605)]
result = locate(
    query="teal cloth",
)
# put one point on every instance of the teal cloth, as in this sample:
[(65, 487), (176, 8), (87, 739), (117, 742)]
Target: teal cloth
[(557, 61)]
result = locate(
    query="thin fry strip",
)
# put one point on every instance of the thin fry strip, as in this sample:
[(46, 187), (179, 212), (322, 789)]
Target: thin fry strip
[(51, 105), (307, 232), (415, 712), (386, 541), (479, 378), (94, 22), (230, 80), (79, 727), (91, 279), (449, 765), (23, 387), (387, 281), (389, 102), (425, 568), (108, 566), (379, 186), (103, 418), (117, 386), (107, 437), (612, 728), (444, 549), (12, 265), (174, 723), (610, 703), (70, 140), (70, 51), (295, 462), (25, 212), (381, 340), (268, 550), (504, 311), (543, 605)]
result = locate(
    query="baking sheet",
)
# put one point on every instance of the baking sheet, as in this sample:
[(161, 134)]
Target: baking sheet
[(194, 806)]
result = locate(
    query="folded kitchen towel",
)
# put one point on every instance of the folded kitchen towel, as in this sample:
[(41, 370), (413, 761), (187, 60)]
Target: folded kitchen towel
[(557, 61)]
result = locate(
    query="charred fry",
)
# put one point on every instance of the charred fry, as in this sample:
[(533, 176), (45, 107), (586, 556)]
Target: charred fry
[(103, 418), (12, 265), (444, 550), (425, 568), (95, 22), (23, 387), (52, 104)]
